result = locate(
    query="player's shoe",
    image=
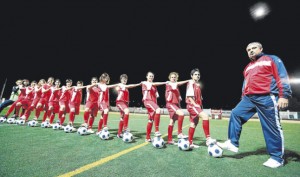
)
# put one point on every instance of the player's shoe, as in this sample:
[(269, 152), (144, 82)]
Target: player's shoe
[(98, 133), (73, 129), (148, 140), (210, 141), (90, 131), (35, 119), (272, 163), (127, 130), (105, 128), (119, 136), (194, 146), (172, 142), (84, 125), (157, 134), (228, 146), (181, 136)]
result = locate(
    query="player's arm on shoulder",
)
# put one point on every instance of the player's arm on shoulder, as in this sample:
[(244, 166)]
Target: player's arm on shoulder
[(159, 83), (112, 86), (182, 82), (133, 85)]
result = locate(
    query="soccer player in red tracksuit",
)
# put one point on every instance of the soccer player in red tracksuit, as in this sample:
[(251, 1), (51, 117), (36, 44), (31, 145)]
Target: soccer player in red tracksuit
[(122, 103), (37, 95), (53, 104), (43, 102), (150, 95), (173, 99), (64, 101), (75, 101), (266, 89), (91, 105), (103, 101), (194, 107), (17, 104), (26, 102)]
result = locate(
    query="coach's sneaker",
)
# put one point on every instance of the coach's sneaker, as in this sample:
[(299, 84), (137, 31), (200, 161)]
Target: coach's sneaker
[(210, 141), (194, 146), (272, 163), (157, 134), (181, 136), (228, 146), (90, 131)]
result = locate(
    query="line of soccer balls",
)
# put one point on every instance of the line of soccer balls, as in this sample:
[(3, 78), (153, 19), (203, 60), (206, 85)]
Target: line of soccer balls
[(158, 142)]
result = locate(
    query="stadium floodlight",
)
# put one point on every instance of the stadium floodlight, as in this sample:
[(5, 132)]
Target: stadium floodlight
[(259, 10), (295, 81)]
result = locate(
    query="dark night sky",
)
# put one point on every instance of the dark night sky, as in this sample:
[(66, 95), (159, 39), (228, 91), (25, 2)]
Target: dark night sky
[(79, 40)]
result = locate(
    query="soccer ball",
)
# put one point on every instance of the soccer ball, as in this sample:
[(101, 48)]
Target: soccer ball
[(11, 120), (2, 119), (214, 150), (32, 123), (183, 144), (127, 137), (158, 142), (56, 126), (20, 122), (68, 129), (45, 124), (104, 134), (81, 131)]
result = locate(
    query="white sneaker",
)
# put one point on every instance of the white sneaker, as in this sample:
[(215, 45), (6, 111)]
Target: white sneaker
[(181, 136), (210, 141), (228, 146), (194, 146), (148, 140), (98, 133), (90, 131), (105, 128), (272, 163), (157, 134)]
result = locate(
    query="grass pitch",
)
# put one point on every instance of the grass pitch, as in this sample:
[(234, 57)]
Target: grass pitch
[(35, 151)]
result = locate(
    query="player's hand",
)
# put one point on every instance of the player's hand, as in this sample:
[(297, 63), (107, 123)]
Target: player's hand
[(283, 103)]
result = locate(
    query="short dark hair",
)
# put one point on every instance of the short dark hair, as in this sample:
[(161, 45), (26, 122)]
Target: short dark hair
[(123, 76), (194, 70)]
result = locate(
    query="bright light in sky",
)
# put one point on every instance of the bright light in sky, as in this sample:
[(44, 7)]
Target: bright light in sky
[(295, 81), (259, 10)]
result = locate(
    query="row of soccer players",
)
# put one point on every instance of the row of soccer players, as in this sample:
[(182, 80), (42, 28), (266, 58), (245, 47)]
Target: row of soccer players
[(67, 99)]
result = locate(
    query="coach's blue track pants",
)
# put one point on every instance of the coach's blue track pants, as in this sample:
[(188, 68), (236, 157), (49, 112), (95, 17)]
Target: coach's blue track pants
[(266, 107)]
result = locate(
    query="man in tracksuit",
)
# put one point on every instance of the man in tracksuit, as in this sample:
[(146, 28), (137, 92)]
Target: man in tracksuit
[(266, 89)]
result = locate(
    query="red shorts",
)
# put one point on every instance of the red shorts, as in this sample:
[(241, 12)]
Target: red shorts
[(35, 102), (122, 106), (151, 108), (172, 108), (103, 105), (75, 106), (66, 105), (55, 106), (194, 112), (93, 107)]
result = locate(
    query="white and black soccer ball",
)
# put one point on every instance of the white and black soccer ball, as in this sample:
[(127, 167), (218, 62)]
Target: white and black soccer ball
[(2, 119), (82, 131), (56, 126), (158, 142), (20, 122), (68, 129), (127, 137), (45, 124), (11, 120), (183, 144), (32, 123), (214, 150), (104, 134)]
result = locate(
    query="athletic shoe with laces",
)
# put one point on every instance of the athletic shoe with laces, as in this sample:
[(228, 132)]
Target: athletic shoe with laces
[(272, 163), (210, 141), (228, 146), (148, 140), (119, 136), (181, 136), (157, 134), (90, 131), (172, 142), (194, 146)]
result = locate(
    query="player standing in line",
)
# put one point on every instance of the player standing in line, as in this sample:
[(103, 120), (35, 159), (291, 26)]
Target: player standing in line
[(64, 100), (26, 102), (122, 102), (103, 101), (266, 89), (194, 107), (91, 105), (150, 95), (75, 101), (43, 102), (36, 98), (53, 105), (173, 99), (17, 104)]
